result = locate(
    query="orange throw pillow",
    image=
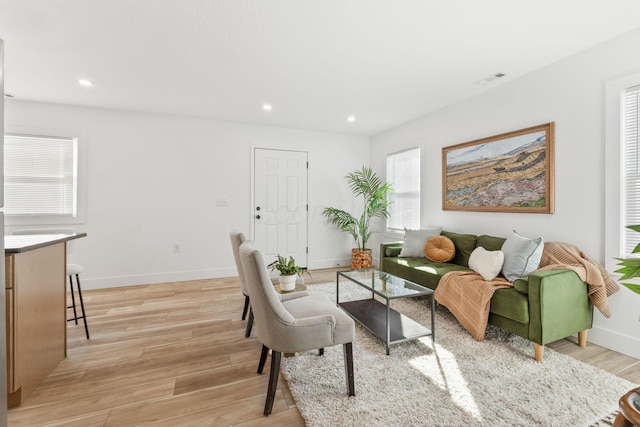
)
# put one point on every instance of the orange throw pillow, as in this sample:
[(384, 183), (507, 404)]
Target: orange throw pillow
[(439, 249)]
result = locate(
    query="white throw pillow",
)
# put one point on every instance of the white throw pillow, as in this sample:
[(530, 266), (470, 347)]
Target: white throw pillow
[(521, 255), (414, 241), (486, 263)]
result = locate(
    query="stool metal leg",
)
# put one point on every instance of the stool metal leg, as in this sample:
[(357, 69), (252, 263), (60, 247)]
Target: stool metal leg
[(84, 316), (73, 304), (73, 301)]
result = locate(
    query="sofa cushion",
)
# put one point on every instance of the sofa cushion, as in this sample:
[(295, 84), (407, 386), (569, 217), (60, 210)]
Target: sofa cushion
[(392, 251), (439, 249), (511, 304), (522, 285), (419, 270), (464, 243), (490, 243), (486, 263), (521, 255), (414, 241)]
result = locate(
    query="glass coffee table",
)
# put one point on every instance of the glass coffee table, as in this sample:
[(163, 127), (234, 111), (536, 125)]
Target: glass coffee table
[(379, 318)]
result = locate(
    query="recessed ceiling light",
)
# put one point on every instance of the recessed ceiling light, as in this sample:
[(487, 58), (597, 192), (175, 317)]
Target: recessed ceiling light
[(267, 107), (351, 119), (85, 83)]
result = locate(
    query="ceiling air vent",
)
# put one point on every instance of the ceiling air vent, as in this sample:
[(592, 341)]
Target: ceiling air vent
[(490, 79)]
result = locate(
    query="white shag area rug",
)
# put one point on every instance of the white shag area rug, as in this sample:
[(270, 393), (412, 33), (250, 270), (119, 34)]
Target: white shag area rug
[(458, 382)]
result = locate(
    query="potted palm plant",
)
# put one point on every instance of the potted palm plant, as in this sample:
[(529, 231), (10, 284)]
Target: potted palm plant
[(289, 271), (630, 270), (366, 184), (630, 266)]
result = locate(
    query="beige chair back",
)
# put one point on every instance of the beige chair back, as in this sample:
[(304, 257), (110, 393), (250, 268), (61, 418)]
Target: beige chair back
[(237, 238)]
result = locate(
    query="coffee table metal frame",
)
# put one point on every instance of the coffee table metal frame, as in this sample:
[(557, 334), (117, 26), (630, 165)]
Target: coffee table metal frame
[(379, 318)]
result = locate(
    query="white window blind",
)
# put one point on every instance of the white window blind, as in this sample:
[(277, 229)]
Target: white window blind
[(40, 175), (403, 172), (631, 164)]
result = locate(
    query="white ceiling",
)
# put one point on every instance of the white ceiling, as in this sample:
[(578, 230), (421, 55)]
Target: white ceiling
[(316, 61)]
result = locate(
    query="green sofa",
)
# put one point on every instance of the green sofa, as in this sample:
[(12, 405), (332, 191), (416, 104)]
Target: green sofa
[(542, 307)]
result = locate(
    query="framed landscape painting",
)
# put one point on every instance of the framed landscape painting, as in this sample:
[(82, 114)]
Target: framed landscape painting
[(511, 172)]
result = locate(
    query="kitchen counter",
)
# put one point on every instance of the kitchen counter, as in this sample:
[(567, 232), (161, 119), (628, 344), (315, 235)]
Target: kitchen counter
[(36, 309), (18, 243)]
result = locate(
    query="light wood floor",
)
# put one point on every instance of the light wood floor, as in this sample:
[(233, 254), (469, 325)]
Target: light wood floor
[(175, 354)]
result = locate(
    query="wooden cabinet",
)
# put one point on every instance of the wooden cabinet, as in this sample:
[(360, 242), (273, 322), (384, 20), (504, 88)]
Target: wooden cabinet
[(35, 290)]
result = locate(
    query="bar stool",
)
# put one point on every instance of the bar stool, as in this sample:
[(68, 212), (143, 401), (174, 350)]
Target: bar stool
[(75, 270)]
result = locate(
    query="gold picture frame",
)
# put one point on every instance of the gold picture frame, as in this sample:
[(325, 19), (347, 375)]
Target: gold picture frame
[(510, 172)]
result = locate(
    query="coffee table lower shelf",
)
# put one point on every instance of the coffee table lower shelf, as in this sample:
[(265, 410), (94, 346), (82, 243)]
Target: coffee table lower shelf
[(372, 314)]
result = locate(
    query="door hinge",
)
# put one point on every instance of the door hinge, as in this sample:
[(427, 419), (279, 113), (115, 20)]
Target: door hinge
[(307, 208), (307, 165), (307, 250)]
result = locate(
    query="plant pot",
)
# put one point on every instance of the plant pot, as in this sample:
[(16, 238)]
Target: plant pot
[(287, 283), (361, 259)]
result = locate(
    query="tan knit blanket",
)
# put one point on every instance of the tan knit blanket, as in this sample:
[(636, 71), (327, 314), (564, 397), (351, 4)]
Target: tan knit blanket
[(468, 296), (560, 255)]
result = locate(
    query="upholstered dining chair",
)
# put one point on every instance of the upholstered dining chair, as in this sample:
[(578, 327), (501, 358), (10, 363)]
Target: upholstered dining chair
[(237, 238), (295, 325)]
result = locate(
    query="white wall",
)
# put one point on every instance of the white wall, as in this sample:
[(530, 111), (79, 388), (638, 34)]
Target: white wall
[(570, 93), (152, 181)]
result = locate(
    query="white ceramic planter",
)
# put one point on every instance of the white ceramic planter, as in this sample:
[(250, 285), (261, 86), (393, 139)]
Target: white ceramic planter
[(288, 283)]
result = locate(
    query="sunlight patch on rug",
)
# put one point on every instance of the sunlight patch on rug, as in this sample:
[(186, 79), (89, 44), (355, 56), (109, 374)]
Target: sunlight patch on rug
[(443, 371)]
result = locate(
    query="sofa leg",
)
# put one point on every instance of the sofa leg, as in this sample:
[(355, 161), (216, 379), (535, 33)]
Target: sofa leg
[(582, 338), (538, 352)]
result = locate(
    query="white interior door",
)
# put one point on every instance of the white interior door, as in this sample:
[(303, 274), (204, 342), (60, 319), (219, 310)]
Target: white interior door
[(280, 206)]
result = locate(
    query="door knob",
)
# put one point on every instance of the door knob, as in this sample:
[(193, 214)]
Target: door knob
[(257, 216), (258, 208)]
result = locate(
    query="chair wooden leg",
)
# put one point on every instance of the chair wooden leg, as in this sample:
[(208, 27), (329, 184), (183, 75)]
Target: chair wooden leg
[(348, 365), (321, 352), (263, 358), (247, 334), (582, 338), (538, 352), (246, 307), (273, 381)]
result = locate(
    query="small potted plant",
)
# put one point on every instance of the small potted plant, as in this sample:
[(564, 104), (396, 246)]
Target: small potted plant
[(289, 271)]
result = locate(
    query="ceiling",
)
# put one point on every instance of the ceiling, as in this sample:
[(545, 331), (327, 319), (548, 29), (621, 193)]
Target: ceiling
[(385, 62)]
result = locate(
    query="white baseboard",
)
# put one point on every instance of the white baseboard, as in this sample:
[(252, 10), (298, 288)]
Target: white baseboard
[(330, 263), (147, 279), (615, 341), (181, 276)]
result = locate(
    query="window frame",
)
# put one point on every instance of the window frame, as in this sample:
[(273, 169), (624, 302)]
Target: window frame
[(615, 208), (394, 232), (80, 160)]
